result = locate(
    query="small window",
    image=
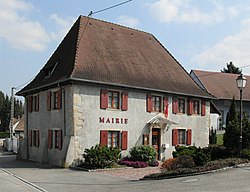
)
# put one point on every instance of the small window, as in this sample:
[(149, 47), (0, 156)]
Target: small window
[(55, 139), (113, 139), (35, 138), (36, 102), (114, 100), (156, 107), (181, 136), (181, 105), (55, 100), (196, 107)]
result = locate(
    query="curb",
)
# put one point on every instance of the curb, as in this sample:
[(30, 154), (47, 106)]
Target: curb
[(98, 170), (194, 174)]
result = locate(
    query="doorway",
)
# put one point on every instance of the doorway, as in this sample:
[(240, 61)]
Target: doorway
[(156, 141)]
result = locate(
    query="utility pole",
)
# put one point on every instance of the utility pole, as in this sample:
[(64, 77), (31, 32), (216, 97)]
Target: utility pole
[(12, 113)]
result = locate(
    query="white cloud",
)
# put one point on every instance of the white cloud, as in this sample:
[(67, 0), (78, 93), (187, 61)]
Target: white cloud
[(18, 30), (128, 21), (62, 24), (184, 12), (233, 48)]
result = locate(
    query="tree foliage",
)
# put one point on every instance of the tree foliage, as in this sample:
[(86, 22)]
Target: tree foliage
[(231, 68), (232, 130), (5, 109)]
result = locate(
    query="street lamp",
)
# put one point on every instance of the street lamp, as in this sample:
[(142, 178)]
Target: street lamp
[(241, 83)]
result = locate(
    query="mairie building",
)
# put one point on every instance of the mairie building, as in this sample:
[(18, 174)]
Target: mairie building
[(113, 86)]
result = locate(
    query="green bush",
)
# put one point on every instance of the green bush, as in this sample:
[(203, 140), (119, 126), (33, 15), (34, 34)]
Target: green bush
[(143, 153), (4, 134), (245, 153), (221, 152), (199, 155), (182, 150), (183, 161), (101, 156)]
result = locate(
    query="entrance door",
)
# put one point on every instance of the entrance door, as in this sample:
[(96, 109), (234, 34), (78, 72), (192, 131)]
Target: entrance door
[(156, 138)]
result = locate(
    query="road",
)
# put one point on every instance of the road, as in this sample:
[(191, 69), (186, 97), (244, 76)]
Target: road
[(16, 175)]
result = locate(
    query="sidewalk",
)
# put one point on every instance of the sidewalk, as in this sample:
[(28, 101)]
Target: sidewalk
[(131, 173)]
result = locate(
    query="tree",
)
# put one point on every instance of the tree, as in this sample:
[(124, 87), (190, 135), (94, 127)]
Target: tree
[(231, 135), (5, 108), (231, 68), (245, 131)]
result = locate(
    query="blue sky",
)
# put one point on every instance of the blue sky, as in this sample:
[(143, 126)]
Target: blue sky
[(204, 34)]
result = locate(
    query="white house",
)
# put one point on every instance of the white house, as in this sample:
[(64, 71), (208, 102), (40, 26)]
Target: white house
[(223, 86), (111, 85)]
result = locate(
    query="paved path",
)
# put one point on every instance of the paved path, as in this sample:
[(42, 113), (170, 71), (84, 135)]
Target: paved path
[(131, 173)]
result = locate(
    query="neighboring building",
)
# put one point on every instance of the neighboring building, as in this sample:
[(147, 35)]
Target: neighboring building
[(111, 85), (223, 86), (18, 128)]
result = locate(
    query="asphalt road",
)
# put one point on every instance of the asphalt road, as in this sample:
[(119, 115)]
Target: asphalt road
[(16, 175)]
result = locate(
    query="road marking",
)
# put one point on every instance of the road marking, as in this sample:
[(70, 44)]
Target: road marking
[(189, 180), (23, 180)]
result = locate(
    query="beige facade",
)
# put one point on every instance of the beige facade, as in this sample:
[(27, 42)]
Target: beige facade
[(81, 119)]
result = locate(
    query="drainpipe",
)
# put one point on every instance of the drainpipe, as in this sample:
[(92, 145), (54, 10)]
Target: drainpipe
[(27, 128)]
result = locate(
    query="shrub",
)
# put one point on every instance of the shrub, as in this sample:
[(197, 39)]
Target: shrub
[(200, 157), (143, 153), (153, 163), (182, 150), (183, 161), (135, 164), (101, 156), (246, 153), (168, 164), (221, 152)]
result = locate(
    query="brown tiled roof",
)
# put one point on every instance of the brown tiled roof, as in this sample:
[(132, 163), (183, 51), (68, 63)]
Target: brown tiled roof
[(222, 85), (20, 125), (101, 52)]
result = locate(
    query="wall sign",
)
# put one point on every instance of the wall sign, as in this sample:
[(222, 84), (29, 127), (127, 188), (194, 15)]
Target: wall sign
[(113, 120)]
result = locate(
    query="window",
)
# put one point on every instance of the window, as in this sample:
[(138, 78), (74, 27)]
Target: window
[(181, 136), (113, 100), (54, 100), (34, 139), (181, 105), (196, 107), (33, 103), (114, 139), (36, 102), (156, 107), (55, 139)]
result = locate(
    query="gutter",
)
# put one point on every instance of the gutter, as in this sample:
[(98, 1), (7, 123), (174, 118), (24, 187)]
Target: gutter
[(70, 79)]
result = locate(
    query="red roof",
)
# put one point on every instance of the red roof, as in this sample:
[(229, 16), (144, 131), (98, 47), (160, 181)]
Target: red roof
[(96, 51)]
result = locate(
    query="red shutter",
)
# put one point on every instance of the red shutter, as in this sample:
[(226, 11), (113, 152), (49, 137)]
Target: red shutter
[(59, 99), (190, 107), (175, 105), (166, 106), (124, 140), (175, 137), (59, 139), (49, 101), (50, 138), (149, 103), (104, 138), (37, 138), (104, 99), (30, 138), (189, 136), (124, 101), (203, 108), (37, 103)]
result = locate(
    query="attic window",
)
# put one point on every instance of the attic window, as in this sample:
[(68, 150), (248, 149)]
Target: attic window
[(49, 71)]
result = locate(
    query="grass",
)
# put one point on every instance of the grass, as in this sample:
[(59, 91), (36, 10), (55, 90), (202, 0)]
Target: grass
[(4, 134), (219, 139)]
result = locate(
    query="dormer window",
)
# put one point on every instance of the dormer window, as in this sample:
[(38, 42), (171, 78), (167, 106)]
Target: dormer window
[(49, 71)]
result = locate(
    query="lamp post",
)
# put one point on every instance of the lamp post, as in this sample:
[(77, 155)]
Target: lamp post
[(241, 83)]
